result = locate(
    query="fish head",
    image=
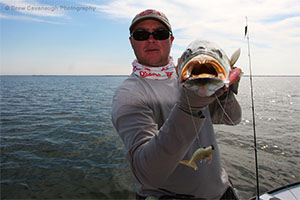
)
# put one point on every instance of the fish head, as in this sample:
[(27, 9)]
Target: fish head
[(204, 67)]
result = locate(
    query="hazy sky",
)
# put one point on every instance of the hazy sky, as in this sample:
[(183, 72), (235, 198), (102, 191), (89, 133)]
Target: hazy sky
[(90, 37)]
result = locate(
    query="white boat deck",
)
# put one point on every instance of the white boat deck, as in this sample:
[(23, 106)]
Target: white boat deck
[(291, 192)]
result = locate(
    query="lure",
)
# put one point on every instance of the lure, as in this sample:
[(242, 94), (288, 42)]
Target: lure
[(204, 153)]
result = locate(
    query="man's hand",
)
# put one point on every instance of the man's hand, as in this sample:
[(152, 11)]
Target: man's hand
[(234, 79), (191, 103)]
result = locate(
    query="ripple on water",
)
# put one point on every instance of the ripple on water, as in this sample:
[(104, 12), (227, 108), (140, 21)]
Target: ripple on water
[(57, 140)]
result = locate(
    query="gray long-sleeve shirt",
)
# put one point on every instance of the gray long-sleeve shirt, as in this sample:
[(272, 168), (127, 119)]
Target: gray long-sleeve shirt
[(157, 135)]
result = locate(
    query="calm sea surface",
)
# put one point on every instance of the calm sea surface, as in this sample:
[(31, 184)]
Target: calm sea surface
[(57, 139)]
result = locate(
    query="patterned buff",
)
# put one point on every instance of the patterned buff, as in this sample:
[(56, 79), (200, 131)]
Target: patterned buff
[(155, 73)]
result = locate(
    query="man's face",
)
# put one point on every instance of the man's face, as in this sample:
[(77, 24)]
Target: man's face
[(151, 52)]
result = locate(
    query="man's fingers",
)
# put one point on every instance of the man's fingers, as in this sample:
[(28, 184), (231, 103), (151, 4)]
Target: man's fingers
[(235, 75)]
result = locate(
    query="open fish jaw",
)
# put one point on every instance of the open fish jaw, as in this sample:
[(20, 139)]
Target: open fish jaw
[(203, 69)]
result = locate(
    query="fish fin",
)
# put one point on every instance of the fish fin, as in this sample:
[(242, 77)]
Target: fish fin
[(235, 56), (189, 164)]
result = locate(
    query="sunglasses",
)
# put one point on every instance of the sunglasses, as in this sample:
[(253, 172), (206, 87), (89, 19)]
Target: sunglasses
[(159, 34)]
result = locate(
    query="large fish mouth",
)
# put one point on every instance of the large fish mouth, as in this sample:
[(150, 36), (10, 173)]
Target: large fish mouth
[(202, 69)]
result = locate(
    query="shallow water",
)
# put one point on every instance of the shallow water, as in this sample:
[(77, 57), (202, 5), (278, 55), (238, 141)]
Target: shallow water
[(57, 140)]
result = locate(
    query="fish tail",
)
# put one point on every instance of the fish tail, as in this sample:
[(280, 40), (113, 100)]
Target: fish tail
[(189, 164)]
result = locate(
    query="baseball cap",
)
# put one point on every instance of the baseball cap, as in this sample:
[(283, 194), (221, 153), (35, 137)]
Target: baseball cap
[(150, 14)]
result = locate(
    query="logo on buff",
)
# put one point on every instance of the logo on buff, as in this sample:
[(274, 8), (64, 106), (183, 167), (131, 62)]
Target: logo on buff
[(146, 74), (155, 73)]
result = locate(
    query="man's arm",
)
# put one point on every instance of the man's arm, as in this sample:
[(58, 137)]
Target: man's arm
[(153, 154)]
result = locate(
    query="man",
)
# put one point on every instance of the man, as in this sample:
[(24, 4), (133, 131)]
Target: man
[(160, 126)]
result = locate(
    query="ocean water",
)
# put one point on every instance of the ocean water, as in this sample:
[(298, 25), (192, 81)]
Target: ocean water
[(57, 139)]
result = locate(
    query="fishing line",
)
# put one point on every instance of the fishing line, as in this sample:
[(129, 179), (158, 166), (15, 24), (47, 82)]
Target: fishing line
[(223, 113), (253, 113), (223, 108), (189, 104), (194, 123)]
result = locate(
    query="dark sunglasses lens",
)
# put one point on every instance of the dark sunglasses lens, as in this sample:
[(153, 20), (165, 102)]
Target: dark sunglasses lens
[(161, 34), (140, 35)]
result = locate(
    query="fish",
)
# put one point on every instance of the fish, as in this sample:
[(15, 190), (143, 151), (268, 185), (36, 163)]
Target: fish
[(204, 153), (204, 68)]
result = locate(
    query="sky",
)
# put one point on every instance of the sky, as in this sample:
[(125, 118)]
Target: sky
[(91, 37)]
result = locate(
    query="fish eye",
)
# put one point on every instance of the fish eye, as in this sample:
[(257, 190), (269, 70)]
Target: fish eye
[(218, 52), (186, 54)]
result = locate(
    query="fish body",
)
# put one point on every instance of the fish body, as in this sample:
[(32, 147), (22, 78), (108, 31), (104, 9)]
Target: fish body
[(201, 153), (205, 67)]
